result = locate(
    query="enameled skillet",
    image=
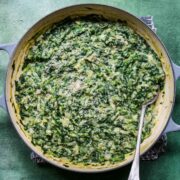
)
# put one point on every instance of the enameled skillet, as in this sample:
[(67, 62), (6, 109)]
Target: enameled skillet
[(164, 122)]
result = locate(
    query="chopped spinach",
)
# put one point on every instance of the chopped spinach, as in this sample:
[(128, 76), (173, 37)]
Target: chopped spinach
[(82, 87)]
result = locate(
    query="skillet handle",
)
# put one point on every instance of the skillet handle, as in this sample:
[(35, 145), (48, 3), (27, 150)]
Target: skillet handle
[(9, 48), (176, 71), (172, 126)]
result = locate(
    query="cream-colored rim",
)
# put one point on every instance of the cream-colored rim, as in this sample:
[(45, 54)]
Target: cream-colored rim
[(164, 103)]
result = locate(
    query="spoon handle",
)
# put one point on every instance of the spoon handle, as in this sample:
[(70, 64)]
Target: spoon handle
[(134, 173)]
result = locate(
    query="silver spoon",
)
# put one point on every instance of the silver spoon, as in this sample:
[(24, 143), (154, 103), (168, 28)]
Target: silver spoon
[(134, 173)]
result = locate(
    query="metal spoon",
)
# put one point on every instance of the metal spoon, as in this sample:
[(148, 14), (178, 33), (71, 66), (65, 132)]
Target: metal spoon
[(134, 173)]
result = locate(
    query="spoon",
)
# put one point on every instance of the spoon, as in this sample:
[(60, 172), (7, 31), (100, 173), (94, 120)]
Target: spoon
[(134, 173)]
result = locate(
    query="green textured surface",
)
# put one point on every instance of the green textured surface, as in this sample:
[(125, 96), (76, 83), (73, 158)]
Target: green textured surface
[(15, 18)]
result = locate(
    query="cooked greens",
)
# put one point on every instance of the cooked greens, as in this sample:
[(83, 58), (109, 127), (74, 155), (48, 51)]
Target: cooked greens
[(82, 87)]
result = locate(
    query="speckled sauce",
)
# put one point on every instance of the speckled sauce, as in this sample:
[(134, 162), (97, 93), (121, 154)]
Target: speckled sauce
[(82, 87)]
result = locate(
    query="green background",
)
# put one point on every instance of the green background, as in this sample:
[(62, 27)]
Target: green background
[(16, 16)]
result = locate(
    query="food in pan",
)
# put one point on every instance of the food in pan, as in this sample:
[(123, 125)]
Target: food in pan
[(81, 89)]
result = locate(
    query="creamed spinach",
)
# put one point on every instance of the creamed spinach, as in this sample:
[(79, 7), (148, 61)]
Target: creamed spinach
[(82, 87)]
